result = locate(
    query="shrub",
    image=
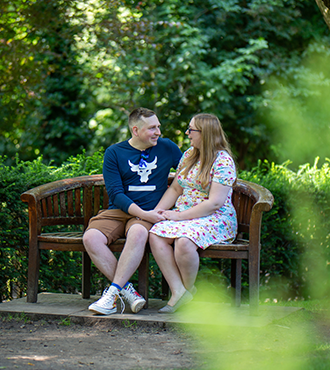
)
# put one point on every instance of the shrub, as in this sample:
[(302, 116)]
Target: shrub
[(14, 238), (295, 235), (295, 251)]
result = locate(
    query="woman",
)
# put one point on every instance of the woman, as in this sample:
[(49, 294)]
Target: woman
[(203, 212)]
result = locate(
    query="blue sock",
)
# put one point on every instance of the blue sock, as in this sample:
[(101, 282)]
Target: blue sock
[(117, 286), (126, 285)]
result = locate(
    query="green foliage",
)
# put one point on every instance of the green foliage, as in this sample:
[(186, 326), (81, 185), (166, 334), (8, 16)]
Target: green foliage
[(295, 237), (43, 97), (214, 56), (66, 321), (14, 238), (72, 70), (295, 250), (298, 110)]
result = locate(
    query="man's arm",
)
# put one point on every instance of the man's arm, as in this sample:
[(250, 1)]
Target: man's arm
[(115, 189), (113, 181)]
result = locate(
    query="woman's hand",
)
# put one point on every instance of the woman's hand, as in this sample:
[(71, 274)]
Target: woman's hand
[(171, 215), (153, 216)]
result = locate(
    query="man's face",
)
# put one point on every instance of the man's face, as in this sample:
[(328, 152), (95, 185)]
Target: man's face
[(149, 133)]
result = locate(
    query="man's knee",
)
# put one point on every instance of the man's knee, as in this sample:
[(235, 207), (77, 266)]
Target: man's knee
[(138, 231), (137, 235), (92, 238)]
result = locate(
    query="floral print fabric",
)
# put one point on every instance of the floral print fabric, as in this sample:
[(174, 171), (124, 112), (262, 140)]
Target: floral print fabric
[(219, 227)]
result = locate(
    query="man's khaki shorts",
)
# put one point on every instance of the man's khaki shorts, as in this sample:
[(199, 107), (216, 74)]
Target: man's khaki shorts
[(115, 223)]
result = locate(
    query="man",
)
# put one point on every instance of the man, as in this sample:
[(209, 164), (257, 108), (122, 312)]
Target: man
[(135, 172)]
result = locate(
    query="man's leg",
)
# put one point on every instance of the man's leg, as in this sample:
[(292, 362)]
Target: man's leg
[(95, 243), (103, 229), (118, 272), (132, 254)]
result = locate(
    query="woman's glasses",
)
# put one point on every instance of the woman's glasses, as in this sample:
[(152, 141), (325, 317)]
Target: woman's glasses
[(144, 156), (191, 129)]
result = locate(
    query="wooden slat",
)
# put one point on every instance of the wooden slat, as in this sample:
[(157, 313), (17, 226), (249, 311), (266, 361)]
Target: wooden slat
[(243, 228), (88, 207), (229, 247), (70, 202), (44, 208), (61, 237), (77, 201), (50, 206), (240, 211), (225, 254), (63, 241), (48, 221), (62, 204), (105, 198), (247, 215), (236, 200), (74, 247), (96, 200), (55, 202)]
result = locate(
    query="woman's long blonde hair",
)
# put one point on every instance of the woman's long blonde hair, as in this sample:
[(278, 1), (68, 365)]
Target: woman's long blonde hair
[(213, 139)]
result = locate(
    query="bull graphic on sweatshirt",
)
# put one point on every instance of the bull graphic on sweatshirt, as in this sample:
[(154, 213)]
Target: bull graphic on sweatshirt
[(144, 171)]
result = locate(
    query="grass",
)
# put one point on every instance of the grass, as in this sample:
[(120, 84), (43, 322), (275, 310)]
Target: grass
[(299, 341), (19, 317)]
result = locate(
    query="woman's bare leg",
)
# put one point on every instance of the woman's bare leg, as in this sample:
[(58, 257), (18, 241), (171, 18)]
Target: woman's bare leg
[(187, 260), (162, 250)]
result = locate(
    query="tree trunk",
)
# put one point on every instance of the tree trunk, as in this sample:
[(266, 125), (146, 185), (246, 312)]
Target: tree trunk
[(324, 6)]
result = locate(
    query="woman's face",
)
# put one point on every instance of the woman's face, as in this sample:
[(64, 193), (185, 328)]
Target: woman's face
[(194, 135)]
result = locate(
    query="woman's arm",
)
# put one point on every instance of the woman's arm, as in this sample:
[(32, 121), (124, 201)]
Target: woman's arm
[(217, 197), (170, 196), (167, 201)]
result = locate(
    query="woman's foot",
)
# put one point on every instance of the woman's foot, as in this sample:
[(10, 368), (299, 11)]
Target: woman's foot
[(176, 296), (184, 299)]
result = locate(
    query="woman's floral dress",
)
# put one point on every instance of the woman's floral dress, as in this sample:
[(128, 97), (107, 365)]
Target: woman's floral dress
[(219, 227)]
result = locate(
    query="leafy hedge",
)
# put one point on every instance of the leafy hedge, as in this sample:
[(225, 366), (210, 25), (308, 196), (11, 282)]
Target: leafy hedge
[(14, 238), (295, 254), (295, 250)]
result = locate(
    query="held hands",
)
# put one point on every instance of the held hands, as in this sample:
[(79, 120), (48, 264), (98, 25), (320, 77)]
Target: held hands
[(157, 215), (171, 215), (153, 216)]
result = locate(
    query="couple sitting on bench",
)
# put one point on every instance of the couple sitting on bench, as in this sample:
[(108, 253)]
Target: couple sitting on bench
[(140, 206)]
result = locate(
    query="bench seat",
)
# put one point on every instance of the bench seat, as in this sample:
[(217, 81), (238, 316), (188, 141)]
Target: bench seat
[(74, 201)]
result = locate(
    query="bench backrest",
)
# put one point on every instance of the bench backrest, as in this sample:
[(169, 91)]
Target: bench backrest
[(74, 201)]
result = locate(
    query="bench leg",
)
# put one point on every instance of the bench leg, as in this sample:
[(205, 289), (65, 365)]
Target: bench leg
[(165, 289), (143, 277), (236, 281), (254, 272), (86, 275), (33, 274)]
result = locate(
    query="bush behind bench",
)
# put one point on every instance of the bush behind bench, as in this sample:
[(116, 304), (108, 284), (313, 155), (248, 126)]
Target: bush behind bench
[(295, 235)]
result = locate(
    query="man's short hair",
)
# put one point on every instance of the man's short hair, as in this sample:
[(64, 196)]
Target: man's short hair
[(136, 117)]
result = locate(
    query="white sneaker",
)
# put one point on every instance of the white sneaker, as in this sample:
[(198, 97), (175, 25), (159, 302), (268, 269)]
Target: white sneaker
[(133, 298), (106, 305)]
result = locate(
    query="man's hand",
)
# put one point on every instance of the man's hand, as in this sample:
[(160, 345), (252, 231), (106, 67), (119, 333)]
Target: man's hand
[(171, 215), (153, 216)]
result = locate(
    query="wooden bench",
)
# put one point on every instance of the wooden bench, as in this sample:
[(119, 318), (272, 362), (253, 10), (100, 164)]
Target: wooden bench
[(74, 201)]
